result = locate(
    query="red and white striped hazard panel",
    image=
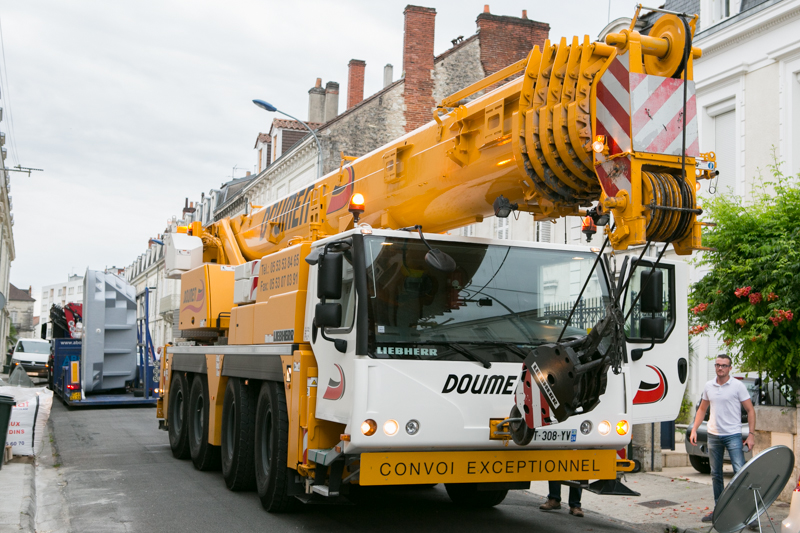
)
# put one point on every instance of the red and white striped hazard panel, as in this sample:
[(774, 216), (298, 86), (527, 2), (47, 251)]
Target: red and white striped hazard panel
[(657, 115), (613, 105)]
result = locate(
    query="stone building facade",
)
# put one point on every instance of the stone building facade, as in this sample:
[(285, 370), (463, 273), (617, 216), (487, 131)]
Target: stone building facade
[(20, 310)]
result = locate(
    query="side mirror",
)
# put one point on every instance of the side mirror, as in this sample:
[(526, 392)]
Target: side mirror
[(329, 282), (652, 327), (328, 315), (651, 287)]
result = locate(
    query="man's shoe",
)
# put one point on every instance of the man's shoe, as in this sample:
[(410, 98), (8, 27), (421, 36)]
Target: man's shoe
[(550, 505), (576, 511), (708, 518)]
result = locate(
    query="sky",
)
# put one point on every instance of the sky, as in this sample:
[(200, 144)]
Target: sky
[(131, 107)]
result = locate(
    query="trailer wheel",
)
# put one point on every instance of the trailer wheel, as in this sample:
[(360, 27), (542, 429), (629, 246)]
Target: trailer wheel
[(178, 416), (238, 419), (271, 449), (205, 456), (468, 495)]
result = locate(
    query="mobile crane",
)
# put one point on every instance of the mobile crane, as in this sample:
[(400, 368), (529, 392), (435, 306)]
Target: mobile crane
[(334, 344)]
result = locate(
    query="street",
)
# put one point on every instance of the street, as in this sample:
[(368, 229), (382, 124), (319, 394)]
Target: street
[(116, 473)]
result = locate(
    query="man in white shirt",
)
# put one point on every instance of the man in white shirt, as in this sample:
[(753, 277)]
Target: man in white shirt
[(726, 397)]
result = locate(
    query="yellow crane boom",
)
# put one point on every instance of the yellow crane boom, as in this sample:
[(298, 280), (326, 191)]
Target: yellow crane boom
[(612, 123)]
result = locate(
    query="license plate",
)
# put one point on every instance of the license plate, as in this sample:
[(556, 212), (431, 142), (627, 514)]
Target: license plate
[(75, 396), (555, 435), (407, 468)]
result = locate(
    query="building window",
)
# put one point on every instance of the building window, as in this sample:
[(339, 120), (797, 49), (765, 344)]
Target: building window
[(60, 291), (543, 231), (725, 148), (501, 227), (72, 290), (80, 289), (468, 231)]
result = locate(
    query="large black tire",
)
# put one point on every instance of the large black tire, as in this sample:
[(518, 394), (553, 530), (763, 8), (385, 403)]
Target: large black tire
[(700, 464), (178, 415), (238, 421), (271, 449), (468, 495), (205, 456)]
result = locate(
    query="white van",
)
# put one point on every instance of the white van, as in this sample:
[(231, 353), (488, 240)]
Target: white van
[(31, 355)]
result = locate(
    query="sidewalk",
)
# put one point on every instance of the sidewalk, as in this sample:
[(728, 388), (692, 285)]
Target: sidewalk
[(673, 500), (18, 501)]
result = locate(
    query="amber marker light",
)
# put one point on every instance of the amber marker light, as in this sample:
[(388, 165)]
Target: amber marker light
[(369, 427), (622, 427), (356, 206), (604, 427), (697, 186), (390, 427), (599, 144)]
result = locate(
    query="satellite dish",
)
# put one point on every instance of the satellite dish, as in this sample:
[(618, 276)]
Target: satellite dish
[(754, 488)]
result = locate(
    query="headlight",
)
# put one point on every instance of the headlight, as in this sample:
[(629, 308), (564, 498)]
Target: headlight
[(390, 427), (412, 427), (604, 427), (586, 427)]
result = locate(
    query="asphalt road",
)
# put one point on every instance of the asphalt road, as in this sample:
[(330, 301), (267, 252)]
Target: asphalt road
[(117, 474)]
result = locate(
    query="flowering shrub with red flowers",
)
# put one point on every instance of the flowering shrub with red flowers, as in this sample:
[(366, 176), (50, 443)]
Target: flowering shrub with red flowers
[(752, 288)]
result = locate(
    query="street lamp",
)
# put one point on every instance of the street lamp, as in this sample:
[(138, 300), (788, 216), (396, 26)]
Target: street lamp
[(272, 109)]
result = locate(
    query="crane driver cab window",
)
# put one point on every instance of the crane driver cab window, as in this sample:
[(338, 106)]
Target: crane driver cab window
[(497, 303)]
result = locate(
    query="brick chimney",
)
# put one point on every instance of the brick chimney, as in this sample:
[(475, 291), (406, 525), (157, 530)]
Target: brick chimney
[(418, 65), (506, 40), (316, 102), (331, 100), (355, 82)]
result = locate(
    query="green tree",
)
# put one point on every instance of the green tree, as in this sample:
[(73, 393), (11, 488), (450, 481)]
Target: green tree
[(752, 291)]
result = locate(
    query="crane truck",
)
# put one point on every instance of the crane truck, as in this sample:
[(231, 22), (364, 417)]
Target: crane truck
[(340, 337)]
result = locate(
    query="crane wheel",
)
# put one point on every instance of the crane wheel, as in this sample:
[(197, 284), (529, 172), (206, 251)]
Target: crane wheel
[(670, 28), (272, 448), (471, 495), (205, 456), (178, 416), (238, 421)]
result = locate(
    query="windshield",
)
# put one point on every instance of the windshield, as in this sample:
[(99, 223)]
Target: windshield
[(33, 347), (498, 295)]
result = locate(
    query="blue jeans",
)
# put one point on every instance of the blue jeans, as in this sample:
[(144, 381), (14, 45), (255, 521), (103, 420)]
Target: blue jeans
[(716, 451), (554, 488)]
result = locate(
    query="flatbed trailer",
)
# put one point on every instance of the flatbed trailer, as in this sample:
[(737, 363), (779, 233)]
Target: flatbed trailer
[(66, 380)]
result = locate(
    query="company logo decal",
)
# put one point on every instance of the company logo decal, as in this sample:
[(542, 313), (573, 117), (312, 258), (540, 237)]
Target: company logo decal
[(479, 384), (652, 392), (288, 213), (194, 295), (335, 389), (340, 197)]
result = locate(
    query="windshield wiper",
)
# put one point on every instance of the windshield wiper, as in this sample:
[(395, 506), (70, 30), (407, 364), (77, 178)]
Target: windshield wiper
[(513, 347), (456, 348)]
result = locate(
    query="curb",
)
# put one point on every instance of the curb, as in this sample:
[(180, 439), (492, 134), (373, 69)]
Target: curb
[(27, 519)]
